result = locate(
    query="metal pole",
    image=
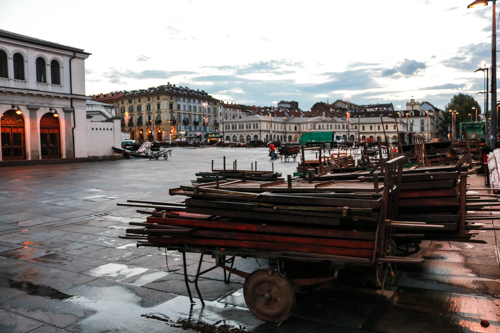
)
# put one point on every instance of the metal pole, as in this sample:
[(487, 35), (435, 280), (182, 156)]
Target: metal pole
[(494, 111), (452, 125), (486, 108)]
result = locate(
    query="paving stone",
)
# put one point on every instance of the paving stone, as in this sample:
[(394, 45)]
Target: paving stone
[(67, 262), (13, 322)]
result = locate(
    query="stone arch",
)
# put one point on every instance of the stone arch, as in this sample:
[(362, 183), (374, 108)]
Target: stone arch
[(50, 136), (150, 134), (13, 136), (159, 134)]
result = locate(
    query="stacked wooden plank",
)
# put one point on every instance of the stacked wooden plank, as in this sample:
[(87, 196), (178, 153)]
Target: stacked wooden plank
[(296, 217), (235, 173), (309, 224)]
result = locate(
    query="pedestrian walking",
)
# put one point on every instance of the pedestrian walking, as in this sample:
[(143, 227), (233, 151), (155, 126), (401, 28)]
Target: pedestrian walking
[(272, 150)]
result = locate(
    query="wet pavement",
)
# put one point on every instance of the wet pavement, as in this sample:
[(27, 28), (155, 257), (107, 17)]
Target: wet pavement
[(64, 269)]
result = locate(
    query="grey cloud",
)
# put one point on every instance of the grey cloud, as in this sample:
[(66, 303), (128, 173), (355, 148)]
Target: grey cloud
[(388, 72), (446, 86), (263, 92), (469, 57), (353, 80), (116, 76), (407, 67), (361, 64), (272, 66), (143, 58)]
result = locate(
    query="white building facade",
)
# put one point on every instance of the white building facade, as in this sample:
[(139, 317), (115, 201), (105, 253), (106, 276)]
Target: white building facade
[(42, 99), (421, 120), (290, 129), (103, 128)]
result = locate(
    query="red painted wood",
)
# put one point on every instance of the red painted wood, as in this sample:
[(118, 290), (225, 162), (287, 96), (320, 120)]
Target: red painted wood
[(234, 225), (262, 246)]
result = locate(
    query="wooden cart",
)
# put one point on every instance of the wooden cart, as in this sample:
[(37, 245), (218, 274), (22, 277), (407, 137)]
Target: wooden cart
[(306, 237)]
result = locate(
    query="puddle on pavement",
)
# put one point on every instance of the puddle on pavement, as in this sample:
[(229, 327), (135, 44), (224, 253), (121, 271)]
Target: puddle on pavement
[(116, 270), (118, 309), (34, 289)]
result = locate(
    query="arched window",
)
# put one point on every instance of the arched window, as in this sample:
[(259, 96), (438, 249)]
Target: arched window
[(41, 74), (18, 66), (55, 72), (3, 64), (234, 138)]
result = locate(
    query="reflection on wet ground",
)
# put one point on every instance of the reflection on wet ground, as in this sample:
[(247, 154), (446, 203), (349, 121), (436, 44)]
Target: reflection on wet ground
[(33, 289), (64, 269)]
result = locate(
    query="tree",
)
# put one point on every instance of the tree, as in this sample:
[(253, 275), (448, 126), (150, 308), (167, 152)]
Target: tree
[(463, 105)]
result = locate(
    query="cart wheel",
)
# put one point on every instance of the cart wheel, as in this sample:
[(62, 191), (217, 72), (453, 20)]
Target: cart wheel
[(165, 156), (150, 158), (157, 157), (269, 295)]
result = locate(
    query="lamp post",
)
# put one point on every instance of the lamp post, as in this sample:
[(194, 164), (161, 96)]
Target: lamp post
[(485, 92), (271, 115), (285, 118), (494, 111), (359, 133), (453, 118), (223, 128), (428, 128), (348, 127), (474, 108), (470, 114)]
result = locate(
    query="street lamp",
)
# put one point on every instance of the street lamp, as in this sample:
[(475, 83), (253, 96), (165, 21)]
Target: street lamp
[(204, 129), (470, 114), (285, 118), (494, 111), (485, 93), (271, 130), (428, 128), (474, 108), (454, 124), (223, 128), (348, 127)]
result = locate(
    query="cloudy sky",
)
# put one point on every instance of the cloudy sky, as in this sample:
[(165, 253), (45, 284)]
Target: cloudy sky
[(256, 52)]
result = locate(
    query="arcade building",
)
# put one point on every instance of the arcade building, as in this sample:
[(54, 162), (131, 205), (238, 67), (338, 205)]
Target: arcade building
[(42, 99)]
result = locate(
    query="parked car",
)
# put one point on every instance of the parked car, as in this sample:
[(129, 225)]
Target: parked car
[(130, 144)]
